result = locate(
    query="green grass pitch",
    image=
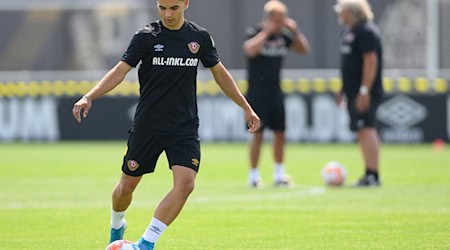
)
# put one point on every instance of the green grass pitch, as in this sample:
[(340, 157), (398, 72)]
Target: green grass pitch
[(57, 196)]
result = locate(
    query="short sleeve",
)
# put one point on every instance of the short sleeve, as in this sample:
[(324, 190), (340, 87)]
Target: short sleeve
[(367, 41), (288, 37), (251, 32), (209, 56), (138, 48)]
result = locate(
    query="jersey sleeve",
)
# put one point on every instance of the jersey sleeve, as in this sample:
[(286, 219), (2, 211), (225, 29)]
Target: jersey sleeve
[(288, 37), (367, 41), (138, 48), (251, 32), (209, 56)]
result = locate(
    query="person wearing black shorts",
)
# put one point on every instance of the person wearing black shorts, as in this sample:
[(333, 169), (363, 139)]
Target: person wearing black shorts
[(361, 69), (169, 51), (265, 46)]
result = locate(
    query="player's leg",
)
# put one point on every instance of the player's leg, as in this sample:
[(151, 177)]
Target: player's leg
[(254, 178), (256, 140), (121, 199), (276, 122), (123, 192), (184, 159), (183, 185), (141, 157), (369, 142), (370, 147), (278, 153), (278, 146)]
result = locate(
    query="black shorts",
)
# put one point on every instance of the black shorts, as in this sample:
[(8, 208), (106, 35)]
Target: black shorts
[(271, 112), (143, 152), (363, 120)]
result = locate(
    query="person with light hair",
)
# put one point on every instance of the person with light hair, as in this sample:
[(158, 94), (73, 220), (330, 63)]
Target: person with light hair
[(265, 46), (361, 70), (360, 9)]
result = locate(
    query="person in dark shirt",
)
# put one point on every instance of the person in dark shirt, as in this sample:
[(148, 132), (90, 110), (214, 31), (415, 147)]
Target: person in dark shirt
[(361, 69), (265, 46), (169, 51)]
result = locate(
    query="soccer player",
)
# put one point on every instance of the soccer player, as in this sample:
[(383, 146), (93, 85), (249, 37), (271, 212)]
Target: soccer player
[(265, 46), (166, 119), (361, 69)]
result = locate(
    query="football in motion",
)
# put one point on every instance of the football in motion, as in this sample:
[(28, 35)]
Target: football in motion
[(122, 245), (334, 173)]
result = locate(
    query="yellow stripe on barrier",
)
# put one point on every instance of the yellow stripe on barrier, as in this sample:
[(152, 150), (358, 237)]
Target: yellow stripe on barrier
[(422, 85), (335, 84), (304, 86), (388, 85), (441, 85), (404, 84), (319, 85), (288, 86), (243, 86)]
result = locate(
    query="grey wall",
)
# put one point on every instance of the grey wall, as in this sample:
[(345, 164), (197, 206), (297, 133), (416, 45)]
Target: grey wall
[(84, 46), (227, 21)]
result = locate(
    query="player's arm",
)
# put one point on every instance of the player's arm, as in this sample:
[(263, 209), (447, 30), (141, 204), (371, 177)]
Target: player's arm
[(229, 87), (106, 84), (370, 62), (300, 43), (253, 46)]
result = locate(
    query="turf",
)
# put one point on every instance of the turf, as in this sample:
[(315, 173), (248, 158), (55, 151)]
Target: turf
[(57, 196)]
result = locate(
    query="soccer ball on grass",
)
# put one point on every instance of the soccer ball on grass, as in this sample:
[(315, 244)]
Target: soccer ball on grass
[(334, 174), (122, 245)]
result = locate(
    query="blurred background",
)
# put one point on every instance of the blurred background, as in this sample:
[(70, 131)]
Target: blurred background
[(53, 51)]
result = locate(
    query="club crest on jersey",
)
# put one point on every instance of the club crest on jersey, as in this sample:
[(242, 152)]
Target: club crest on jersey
[(194, 47), (132, 165)]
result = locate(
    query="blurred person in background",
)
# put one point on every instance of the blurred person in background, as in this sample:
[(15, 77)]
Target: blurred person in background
[(361, 70), (168, 51), (266, 44)]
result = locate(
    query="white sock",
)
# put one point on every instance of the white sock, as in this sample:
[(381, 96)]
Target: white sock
[(278, 171), (117, 219), (253, 174), (154, 230)]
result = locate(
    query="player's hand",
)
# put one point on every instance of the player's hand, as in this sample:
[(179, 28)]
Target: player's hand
[(290, 24), (84, 104), (362, 103), (269, 26), (340, 102), (253, 121)]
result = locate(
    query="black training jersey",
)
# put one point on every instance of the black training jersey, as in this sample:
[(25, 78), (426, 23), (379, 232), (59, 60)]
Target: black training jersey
[(264, 69), (355, 43), (168, 76)]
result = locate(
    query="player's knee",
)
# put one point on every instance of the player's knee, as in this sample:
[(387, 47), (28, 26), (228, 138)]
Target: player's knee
[(185, 188), (124, 188)]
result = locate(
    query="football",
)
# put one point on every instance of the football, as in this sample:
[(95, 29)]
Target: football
[(334, 173), (122, 245)]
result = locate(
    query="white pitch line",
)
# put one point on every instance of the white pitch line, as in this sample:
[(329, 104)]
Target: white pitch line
[(257, 195)]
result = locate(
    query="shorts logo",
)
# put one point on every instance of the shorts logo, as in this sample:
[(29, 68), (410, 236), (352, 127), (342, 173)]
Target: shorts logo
[(194, 47), (132, 165), (195, 162)]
